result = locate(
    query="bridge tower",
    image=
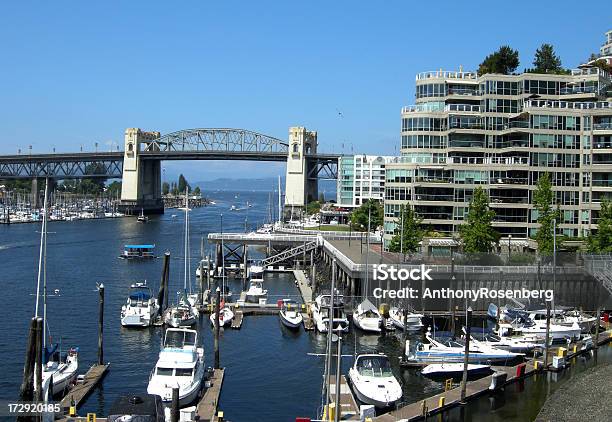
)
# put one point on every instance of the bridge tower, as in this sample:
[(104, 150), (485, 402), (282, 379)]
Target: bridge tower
[(141, 184), (299, 188)]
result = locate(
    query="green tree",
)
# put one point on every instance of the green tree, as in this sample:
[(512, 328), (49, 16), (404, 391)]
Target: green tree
[(547, 214), (321, 197), (478, 234), (182, 184), (114, 188), (313, 207), (601, 241), (412, 233), (165, 188), (359, 217), (546, 60), (197, 191), (504, 61), (603, 65), (174, 189)]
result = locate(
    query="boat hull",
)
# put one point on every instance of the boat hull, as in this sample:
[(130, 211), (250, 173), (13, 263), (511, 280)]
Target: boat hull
[(293, 323), (367, 399)]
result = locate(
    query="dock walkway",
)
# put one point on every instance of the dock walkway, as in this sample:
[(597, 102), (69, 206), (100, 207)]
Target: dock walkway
[(206, 409), (302, 285), (79, 392), (349, 408)]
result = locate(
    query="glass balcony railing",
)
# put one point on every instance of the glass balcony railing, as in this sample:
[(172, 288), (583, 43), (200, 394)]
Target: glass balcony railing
[(602, 126), (445, 74), (578, 90), (582, 105), (432, 197), (470, 108), (508, 161), (464, 91), (466, 125)]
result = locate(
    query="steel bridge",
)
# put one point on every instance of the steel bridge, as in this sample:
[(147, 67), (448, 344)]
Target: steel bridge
[(139, 164), (189, 144)]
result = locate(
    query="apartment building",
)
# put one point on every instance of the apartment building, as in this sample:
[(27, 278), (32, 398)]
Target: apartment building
[(503, 132), (361, 177)]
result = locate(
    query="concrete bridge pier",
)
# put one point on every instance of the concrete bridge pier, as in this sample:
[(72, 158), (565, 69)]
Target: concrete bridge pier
[(141, 185)]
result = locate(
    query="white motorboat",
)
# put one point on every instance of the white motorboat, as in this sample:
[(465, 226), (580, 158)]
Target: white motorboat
[(181, 315), (367, 318), (514, 343), (373, 381), (289, 314), (414, 321), (141, 307), (556, 332), (225, 316), (256, 292), (180, 364), (450, 351), (320, 313), (454, 370), (585, 322)]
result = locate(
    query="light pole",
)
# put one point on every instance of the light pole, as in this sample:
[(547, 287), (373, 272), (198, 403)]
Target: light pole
[(509, 246)]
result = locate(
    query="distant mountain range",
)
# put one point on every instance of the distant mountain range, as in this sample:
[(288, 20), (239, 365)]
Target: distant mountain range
[(263, 185)]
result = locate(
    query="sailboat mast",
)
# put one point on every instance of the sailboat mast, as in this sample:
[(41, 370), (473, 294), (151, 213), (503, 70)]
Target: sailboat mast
[(280, 212), (45, 220), (186, 234), (42, 251)]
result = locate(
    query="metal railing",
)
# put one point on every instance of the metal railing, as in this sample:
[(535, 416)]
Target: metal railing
[(568, 104), (446, 75)]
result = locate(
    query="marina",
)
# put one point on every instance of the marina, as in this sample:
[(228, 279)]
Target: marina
[(292, 283)]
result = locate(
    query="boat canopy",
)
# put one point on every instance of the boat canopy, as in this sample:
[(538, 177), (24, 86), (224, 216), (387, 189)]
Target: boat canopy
[(140, 293), (139, 246)]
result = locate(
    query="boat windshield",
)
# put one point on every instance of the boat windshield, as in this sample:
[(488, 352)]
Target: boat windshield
[(180, 338), (164, 371), (374, 366)]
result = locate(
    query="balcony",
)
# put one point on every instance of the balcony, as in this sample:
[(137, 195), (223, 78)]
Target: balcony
[(509, 199), (602, 126), (578, 90), (464, 91), (468, 108), (433, 179), (507, 161), (590, 71), (445, 74), (466, 125), (433, 197), (570, 105), (509, 181)]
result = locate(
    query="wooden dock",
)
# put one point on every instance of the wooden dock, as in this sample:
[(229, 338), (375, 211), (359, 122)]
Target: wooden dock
[(237, 320), (206, 409), (349, 408), (474, 389), (302, 285), (79, 392)]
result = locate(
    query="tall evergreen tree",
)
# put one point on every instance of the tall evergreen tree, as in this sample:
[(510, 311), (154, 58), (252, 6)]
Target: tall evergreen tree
[(547, 214), (601, 242), (478, 234), (504, 61), (412, 232), (546, 60)]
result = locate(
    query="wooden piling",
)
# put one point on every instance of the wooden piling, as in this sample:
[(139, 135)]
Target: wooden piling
[(161, 296), (38, 359), (217, 326), (26, 392), (101, 326), (174, 410), (466, 358)]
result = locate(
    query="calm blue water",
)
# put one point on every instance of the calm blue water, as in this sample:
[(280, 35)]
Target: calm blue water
[(269, 370)]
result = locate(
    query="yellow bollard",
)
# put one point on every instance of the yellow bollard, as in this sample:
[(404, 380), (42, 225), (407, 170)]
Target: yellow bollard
[(448, 384), (72, 410), (575, 349), (220, 415), (331, 411), (536, 364), (562, 352), (441, 402), (91, 417)]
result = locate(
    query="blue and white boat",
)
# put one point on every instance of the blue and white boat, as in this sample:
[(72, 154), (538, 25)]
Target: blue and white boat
[(138, 252), (141, 307)]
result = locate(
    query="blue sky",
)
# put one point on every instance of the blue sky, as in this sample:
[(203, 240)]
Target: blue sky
[(74, 73)]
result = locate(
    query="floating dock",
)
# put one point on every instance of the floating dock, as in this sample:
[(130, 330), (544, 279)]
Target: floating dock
[(79, 392), (237, 320), (302, 284), (206, 409), (349, 410), (452, 397)]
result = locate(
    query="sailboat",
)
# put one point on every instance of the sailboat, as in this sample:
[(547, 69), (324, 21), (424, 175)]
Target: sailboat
[(141, 307), (184, 314), (413, 320), (142, 218), (57, 374), (225, 314)]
